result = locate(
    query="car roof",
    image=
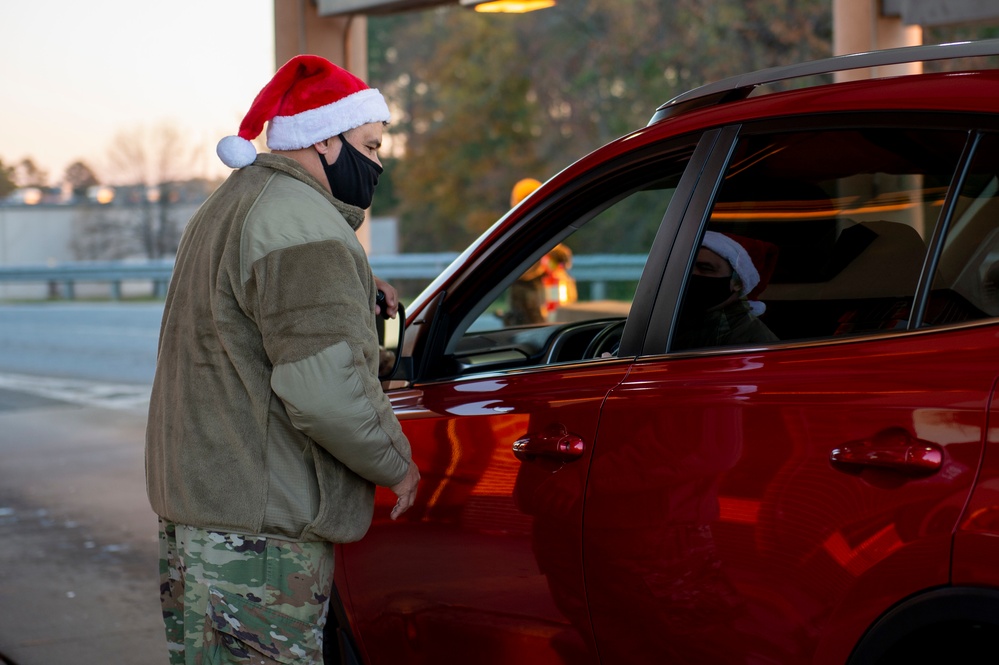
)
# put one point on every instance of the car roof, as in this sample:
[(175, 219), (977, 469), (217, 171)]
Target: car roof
[(741, 86)]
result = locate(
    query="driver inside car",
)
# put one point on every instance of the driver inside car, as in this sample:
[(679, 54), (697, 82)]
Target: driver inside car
[(720, 306)]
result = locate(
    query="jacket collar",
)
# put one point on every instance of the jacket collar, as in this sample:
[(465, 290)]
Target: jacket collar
[(353, 214)]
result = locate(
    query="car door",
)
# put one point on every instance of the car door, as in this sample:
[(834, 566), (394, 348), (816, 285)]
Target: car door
[(766, 501), (970, 262), (487, 566)]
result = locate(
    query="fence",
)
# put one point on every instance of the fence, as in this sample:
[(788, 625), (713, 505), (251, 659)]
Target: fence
[(596, 269)]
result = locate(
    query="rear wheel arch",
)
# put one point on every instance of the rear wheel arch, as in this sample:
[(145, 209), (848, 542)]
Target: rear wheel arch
[(959, 623)]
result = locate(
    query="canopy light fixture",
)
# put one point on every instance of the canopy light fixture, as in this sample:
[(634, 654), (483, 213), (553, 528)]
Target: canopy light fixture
[(507, 6)]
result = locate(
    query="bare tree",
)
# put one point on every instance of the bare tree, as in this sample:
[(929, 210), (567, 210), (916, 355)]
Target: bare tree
[(151, 155), (104, 233), (154, 159)]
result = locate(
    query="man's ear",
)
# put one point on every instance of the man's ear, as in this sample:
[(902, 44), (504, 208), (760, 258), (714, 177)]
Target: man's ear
[(328, 148)]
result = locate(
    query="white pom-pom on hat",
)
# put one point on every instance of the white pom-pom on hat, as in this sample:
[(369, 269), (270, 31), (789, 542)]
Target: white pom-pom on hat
[(236, 152), (308, 100)]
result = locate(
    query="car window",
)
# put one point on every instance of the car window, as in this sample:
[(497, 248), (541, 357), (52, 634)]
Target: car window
[(825, 231), (592, 274), (966, 281), (579, 282)]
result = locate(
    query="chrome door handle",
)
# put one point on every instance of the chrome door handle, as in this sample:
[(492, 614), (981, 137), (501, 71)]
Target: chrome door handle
[(555, 442)]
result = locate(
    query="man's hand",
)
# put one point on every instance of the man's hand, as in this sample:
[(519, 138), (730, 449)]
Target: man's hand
[(391, 297), (406, 491)]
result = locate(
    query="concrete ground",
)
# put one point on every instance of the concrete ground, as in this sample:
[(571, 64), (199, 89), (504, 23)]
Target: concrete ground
[(78, 551)]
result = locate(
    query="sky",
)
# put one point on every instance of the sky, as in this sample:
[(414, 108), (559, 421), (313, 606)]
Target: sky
[(74, 74)]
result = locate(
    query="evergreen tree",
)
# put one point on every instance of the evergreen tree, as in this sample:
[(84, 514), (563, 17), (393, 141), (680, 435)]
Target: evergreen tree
[(29, 174), (7, 184), (80, 177)]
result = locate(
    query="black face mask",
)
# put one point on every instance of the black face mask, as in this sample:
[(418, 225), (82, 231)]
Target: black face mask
[(704, 292), (352, 176)]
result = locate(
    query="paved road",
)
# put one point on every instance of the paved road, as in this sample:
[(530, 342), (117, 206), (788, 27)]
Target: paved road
[(78, 551), (113, 342)]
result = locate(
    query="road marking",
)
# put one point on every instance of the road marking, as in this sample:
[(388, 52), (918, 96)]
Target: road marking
[(76, 391)]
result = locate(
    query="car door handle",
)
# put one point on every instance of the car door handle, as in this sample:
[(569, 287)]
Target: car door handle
[(555, 442), (893, 448)]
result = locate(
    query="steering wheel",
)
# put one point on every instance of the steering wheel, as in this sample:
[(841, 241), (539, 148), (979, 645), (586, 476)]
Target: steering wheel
[(605, 341)]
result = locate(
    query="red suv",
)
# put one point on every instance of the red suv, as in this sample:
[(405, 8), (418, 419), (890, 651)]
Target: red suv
[(762, 432)]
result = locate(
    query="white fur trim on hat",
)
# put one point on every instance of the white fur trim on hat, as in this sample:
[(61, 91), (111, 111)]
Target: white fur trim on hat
[(318, 124), (738, 258)]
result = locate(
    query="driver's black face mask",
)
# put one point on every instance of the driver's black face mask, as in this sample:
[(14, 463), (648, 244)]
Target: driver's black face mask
[(352, 176), (705, 292)]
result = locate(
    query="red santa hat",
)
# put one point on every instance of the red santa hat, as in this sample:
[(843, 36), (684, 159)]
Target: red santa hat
[(307, 101), (752, 260)]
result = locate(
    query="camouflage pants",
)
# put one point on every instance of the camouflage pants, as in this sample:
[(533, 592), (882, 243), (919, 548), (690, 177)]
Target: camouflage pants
[(229, 598)]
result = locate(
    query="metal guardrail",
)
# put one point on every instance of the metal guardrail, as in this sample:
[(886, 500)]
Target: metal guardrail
[(113, 272), (598, 269)]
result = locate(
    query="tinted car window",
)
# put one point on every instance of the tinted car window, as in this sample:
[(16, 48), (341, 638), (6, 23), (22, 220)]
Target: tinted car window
[(836, 224)]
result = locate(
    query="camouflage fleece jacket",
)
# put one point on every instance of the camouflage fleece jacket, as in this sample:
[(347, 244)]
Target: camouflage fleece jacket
[(266, 415)]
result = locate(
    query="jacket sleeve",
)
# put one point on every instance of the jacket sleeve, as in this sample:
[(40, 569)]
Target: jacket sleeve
[(314, 305), (331, 397)]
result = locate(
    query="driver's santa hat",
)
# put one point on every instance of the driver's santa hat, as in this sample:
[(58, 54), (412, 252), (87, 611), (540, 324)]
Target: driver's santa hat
[(307, 101), (752, 260)]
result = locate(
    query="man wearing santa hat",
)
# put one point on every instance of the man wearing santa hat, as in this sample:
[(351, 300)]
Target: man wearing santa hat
[(720, 306), (268, 428)]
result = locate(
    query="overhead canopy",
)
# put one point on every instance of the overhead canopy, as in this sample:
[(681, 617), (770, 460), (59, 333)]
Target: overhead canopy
[(337, 7), (912, 12), (930, 13)]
